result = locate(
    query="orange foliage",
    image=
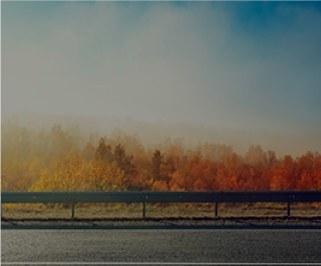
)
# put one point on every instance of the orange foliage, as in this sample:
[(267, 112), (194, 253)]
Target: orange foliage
[(59, 160)]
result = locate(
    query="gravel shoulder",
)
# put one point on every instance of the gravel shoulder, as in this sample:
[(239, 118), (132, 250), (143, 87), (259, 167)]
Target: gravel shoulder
[(168, 223)]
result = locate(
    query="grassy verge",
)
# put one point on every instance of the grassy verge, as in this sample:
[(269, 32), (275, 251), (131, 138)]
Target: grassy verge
[(101, 211)]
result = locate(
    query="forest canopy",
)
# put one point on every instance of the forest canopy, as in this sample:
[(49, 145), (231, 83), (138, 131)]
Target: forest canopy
[(61, 159)]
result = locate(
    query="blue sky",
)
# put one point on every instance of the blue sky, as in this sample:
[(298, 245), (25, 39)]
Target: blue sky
[(249, 67)]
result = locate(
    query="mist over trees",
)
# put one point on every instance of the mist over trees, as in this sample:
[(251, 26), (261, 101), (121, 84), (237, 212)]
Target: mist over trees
[(61, 159)]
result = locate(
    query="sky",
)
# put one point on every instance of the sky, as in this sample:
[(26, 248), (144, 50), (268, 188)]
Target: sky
[(251, 68)]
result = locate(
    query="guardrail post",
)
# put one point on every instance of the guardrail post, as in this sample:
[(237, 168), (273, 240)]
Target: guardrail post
[(288, 209), (72, 210), (216, 209), (144, 210)]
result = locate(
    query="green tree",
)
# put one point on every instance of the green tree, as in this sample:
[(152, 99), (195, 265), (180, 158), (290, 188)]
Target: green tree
[(103, 152), (156, 165)]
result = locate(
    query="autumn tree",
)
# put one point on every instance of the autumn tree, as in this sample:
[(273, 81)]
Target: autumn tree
[(60, 159)]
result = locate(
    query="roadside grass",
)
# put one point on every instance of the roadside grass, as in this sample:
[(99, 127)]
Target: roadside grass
[(157, 210)]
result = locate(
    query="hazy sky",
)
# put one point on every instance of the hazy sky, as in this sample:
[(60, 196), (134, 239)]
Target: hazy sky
[(246, 66)]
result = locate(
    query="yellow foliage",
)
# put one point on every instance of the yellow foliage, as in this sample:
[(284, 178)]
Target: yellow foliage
[(73, 173)]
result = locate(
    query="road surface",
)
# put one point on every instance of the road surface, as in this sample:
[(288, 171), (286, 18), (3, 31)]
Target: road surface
[(234, 245)]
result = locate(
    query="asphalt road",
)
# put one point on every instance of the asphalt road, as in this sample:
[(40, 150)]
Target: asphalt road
[(271, 246)]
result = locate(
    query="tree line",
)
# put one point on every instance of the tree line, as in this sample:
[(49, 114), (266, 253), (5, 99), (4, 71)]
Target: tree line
[(62, 160)]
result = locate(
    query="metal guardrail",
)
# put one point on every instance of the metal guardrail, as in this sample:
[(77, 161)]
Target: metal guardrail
[(73, 198)]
